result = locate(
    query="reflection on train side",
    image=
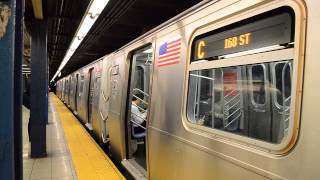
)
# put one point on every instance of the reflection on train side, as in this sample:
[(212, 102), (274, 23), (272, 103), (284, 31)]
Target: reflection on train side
[(250, 100)]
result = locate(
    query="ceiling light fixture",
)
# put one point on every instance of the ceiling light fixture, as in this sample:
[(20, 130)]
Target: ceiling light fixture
[(94, 10)]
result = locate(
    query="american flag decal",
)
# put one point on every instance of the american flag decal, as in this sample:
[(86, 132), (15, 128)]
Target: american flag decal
[(169, 52)]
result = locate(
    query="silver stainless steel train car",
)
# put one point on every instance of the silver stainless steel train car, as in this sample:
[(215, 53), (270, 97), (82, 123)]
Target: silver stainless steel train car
[(225, 90)]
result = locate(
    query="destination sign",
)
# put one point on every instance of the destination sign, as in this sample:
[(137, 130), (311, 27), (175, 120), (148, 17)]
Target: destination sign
[(256, 34)]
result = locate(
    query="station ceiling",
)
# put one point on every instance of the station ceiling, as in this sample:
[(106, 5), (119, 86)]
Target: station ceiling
[(120, 22)]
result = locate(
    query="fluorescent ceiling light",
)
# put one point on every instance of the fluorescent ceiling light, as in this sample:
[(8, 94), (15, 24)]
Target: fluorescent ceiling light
[(74, 45), (85, 27), (97, 7), (93, 11)]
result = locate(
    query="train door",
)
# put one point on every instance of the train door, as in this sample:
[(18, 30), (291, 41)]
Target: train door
[(138, 106), (62, 84), (90, 98), (76, 94), (105, 101), (69, 91), (96, 116), (64, 90)]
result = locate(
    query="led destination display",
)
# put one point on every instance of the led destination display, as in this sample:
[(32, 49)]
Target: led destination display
[(253, 35)]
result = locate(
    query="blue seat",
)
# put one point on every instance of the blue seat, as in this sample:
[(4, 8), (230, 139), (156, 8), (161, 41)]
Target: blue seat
[(135, 134)]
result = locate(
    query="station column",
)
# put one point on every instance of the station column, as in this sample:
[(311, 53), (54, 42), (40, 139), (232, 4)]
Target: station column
[(10, 89), (39, 89)]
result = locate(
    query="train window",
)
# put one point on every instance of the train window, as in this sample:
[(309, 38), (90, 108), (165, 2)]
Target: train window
[(258, 84), (218, 98), (286, 76), (81, 84), (252, 100), (139, 78), (278, 82)]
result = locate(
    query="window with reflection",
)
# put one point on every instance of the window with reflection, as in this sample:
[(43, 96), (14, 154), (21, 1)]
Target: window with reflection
[(252, 100), (242, 99)]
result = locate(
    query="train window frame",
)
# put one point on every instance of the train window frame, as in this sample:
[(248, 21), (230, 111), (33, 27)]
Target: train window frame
[(295, 54)]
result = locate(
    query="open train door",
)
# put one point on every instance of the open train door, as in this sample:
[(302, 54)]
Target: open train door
[(137, 112)]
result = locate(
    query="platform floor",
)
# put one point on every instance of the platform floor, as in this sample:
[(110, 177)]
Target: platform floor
[(58, 164), (89, 159), (72, 152)]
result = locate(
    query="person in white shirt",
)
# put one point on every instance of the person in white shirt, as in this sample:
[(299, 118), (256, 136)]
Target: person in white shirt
[(136, 115)]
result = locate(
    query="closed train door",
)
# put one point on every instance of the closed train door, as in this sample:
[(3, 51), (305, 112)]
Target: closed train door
[(82, 99), (90, 98), (62, 89), (101, 128), (76, 94), (69, 91), (97, 116), (66, 91), (71, 94), (137, 109)]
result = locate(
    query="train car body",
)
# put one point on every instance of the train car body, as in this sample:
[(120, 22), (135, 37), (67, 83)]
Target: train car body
[(225, 90)]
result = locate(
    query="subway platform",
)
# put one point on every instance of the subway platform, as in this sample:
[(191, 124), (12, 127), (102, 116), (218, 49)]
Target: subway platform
[(72, 153)]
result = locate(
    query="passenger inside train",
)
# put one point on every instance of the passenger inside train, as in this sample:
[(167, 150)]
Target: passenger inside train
[(138, 116)]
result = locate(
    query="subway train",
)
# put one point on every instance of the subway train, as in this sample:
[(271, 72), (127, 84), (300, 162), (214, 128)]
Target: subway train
[(224, 90)]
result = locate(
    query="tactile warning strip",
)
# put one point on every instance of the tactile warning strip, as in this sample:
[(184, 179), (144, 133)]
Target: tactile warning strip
[(88, 158)]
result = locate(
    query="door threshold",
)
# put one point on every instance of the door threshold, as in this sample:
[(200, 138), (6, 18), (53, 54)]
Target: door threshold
[(134, 169)]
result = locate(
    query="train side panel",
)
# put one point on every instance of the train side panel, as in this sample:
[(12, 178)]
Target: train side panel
[(194, 155), (175, 149)]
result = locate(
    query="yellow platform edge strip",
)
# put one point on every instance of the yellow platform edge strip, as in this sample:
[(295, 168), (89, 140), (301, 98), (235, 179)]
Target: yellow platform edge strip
[(89, 160)]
